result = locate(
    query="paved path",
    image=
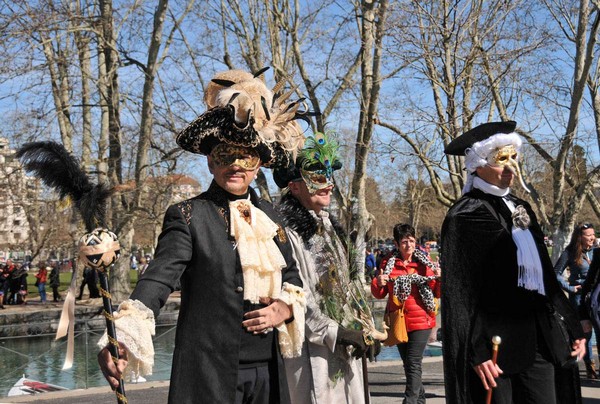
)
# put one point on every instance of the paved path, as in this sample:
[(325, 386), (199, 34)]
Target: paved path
[(386, 380), (386, 384)]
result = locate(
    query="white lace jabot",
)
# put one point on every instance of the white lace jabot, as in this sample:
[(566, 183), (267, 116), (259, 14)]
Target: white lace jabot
[(260, 257)]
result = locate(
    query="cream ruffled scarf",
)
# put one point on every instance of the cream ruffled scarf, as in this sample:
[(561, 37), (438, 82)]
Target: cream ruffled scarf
[(262, 263), (259, 255)]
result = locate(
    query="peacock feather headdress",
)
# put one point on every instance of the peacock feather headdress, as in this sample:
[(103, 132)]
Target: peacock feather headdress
[(320, 152), (315, 164), (318, 160)]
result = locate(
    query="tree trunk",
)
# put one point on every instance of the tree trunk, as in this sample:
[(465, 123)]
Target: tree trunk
[(120, 286), (82, 42), (373, 22), (118, 206), (60, 91)]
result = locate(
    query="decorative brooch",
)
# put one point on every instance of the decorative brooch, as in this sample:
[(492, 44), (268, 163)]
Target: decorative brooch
[(521, 218)]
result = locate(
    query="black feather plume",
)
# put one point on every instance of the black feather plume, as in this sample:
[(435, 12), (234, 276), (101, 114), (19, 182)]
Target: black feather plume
[(261, 71), (58, 169), (224, 83)]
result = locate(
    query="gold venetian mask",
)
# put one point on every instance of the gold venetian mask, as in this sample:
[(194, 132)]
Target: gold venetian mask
[(507, 156), (504, 156), (225, 154)]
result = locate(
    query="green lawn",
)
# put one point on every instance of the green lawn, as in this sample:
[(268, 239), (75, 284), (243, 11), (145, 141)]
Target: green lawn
[(65, 281)]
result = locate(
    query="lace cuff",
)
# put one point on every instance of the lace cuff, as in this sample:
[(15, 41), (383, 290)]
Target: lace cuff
[(291, 335), (134, 323)]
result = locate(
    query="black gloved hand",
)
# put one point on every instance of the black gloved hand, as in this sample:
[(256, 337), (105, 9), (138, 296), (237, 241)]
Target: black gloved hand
[(355, 338), (373, 350)]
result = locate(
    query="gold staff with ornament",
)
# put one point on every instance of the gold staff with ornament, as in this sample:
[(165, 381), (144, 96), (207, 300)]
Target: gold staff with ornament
[(98, 249)]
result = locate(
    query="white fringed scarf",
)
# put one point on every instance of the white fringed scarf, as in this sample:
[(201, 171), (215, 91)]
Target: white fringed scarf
[(531, 276)]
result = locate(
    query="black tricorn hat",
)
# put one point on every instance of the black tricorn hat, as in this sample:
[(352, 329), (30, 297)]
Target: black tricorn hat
[(458, 146), (283, 175), (217, 125)]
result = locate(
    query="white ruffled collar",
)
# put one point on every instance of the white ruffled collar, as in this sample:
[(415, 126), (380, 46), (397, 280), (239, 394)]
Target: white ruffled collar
[(489, 188)]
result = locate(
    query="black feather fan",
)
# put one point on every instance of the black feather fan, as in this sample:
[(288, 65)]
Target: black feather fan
[(58, 169)]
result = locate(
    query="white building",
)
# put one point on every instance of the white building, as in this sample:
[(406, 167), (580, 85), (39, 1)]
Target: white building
[(14, 228)]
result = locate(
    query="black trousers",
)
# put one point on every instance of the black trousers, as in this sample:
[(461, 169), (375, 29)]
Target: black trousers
[(534, 385), (412, 360), (55, 294), (253, 386)]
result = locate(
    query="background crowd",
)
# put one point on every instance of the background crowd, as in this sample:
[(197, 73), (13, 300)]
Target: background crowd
[(16, 277)]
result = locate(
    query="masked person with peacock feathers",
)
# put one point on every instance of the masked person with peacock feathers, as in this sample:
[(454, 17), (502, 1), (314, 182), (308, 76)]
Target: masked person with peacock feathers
[(339, 329)]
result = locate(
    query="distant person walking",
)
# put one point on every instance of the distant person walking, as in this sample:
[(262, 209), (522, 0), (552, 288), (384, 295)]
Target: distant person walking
[(90, 278), (41, 279), (55, 283), (410, 281), (370, 265), (143, 265), (8, 270)]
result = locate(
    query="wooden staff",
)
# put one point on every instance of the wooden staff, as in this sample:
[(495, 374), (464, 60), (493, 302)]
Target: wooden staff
[(365, 378), (496, 340), (113, 344)]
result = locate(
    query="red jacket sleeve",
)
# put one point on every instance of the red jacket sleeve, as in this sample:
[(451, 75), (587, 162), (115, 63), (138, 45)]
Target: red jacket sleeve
[(376, 291)]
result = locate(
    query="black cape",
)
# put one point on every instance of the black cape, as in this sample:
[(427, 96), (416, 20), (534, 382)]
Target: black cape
[(480, 297)]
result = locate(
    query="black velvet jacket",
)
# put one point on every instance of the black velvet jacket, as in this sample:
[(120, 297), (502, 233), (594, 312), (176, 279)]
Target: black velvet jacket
[(480, 296), (195, 246)]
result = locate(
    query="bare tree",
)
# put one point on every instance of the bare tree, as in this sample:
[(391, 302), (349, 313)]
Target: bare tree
[(399, 80), (490, 61), (580, 26), (58, 31), (373, 21)]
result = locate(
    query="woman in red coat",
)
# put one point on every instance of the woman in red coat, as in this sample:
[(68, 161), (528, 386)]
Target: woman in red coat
[(411, 282), (42, 278)]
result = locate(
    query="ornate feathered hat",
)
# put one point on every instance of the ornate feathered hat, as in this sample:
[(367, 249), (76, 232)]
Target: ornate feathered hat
[(242, 111), (319, 155)]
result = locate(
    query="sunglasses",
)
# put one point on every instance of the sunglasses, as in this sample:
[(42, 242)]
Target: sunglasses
[(586, 226)]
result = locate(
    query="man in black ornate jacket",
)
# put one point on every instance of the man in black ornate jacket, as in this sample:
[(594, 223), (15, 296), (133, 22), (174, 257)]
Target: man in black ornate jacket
[(498, 281), (242, 303)]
